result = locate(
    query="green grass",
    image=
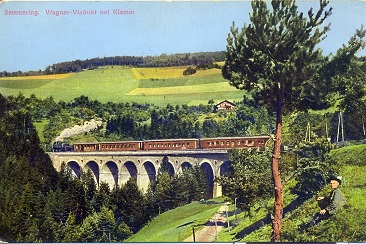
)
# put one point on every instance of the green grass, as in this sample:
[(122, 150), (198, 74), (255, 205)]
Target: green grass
[(40, 125), (169, 72), (353, 172), (23, 84), (191, 89), (120, 84), (352, 155), (182, 81), (355, 185), (176, 225), (162, 83)]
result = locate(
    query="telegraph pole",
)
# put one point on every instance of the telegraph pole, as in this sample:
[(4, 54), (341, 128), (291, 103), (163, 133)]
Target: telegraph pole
[(308, 132), (236, 217), (340, 126), (216, 233), (194, 235), (227, 216)]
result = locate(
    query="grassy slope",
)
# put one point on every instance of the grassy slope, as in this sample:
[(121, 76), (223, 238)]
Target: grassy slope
[(354, 173), (347, 226), (176, 225), (159, 86)]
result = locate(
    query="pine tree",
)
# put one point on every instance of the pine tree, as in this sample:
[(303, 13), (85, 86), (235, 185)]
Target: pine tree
[(130, 205), (90, 188), (276, 58), (72, 231), (102, 197)]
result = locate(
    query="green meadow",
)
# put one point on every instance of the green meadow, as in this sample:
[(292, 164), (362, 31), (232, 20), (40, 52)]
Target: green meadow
[(176, 225), (159, 86)]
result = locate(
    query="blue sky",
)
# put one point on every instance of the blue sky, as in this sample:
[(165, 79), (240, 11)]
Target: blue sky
[(29, 42)]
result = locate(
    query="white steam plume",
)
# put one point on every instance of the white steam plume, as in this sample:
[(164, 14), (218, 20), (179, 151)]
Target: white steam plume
[(77, 129)]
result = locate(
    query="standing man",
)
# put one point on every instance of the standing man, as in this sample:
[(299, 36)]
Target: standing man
[(329, 205)]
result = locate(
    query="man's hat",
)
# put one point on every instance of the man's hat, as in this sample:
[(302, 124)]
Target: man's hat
[(336, 178)]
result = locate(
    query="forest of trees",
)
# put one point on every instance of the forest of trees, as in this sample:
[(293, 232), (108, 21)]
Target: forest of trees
[(125, 121), (200, 59), (38, 204)]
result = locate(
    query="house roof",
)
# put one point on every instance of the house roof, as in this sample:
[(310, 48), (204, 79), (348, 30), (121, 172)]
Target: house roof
[(226, 101)]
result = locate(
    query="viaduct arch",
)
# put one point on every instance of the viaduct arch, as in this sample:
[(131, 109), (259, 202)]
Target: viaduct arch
[(116, 168)]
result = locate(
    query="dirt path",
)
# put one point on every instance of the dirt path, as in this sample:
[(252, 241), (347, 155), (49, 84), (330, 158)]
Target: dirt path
[(210, 231)]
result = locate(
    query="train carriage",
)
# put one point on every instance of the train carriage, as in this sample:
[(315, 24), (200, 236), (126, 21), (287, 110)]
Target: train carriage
[(120, 146), (234, 142), (86, 147), (171, 144)]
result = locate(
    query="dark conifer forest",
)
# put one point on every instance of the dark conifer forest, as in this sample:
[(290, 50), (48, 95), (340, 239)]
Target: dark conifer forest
[(38, 204)]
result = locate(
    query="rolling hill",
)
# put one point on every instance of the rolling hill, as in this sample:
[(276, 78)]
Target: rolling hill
[(159, 86)]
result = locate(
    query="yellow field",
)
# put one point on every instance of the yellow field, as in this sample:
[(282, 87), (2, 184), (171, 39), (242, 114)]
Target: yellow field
[(158, 73), (222, 87), (38, 77)]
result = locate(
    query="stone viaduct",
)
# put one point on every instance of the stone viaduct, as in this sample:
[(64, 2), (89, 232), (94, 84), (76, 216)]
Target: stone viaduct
[(115, 168)]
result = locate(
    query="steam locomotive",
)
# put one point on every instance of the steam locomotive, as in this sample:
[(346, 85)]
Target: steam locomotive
[(62, 147), (167, 144)]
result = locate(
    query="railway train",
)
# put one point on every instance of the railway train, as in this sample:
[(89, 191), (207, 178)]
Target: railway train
[(167, 144)]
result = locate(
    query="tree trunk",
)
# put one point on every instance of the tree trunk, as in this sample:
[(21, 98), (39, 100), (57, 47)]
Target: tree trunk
[(278, 204)]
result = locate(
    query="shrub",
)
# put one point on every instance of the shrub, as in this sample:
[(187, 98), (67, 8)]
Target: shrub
[(189, 71)]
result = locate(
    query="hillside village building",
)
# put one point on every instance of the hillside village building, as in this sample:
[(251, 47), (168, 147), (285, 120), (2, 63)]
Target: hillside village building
[(225, 105)]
